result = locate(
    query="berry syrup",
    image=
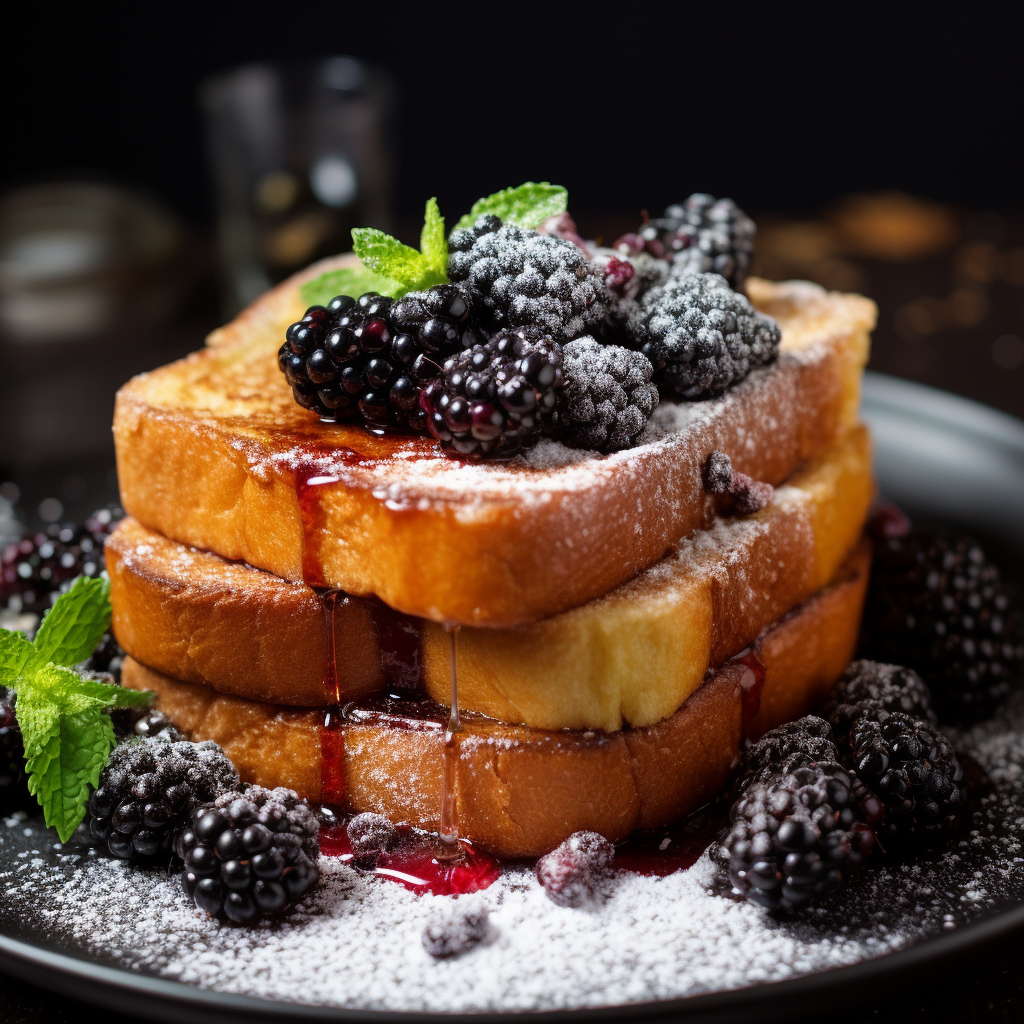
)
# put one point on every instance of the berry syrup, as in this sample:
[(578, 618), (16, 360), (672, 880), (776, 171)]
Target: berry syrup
[(750, 676), (664, 851), (422, 862), (449, 817)]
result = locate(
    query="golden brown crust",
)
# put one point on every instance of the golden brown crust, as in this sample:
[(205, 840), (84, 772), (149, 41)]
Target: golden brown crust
[(213, 452), (632, 656), (521, 791)]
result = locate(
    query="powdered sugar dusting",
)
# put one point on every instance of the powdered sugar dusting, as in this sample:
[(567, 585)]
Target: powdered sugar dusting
[(356, 942)]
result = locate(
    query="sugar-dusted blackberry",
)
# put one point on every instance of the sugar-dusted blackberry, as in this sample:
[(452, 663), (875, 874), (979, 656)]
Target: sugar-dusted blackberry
[(703, 234), (572, 873), (937, 604), (795, 837), (496, 398), (455, 930), (519, 278), (892, 687), (144, 723), (251, 854), (14, 794), (370, 835), (149, 789), (701, 336), (913, 770), (368, 358), (608, 396), (36, 570), (785, 748)]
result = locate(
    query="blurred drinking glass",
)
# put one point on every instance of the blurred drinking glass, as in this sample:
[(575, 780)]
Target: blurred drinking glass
[(301, 155)]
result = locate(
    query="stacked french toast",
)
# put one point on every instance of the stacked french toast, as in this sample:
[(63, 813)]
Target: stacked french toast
[(611, 625)]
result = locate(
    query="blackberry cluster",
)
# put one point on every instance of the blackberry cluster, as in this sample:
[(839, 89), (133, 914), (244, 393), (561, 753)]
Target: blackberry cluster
[(891, 687), (14, 794), (785, 748), (369, 358), (608, 396), (938, 605), (912, 769), (704, 234), (572, 873), (248, 855), (148, 790), (370, 835), (496, 398), (795, 837), (701, 336), (35, 570), (519, 278)]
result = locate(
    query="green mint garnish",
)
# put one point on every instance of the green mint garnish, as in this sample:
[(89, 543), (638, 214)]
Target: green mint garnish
[(527, 206), (352, 281), (67, 736), (414, 270), (389, 266)]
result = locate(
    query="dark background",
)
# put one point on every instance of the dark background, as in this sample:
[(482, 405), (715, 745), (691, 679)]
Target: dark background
[(782, 108), (786, 110)]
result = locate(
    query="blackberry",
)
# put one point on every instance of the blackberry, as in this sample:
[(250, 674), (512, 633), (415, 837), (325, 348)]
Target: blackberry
[(496, 398), (912, 769), (704, 234), (795, 837), (250, 854), (892, 687), (35, 570), (608, 396), (370, 835), (519, 278), (454, 931), (739, 494), (939, 606), (785, 748), (148, 790), (145, 722), (368, 358), (572, 872), (701, 336), (14, 794)]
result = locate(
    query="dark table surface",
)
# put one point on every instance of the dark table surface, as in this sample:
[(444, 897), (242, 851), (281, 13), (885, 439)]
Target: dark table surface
[(951, 317)]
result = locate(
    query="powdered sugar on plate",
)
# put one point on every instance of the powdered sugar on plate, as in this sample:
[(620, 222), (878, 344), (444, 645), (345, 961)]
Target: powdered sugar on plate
[(356, 942)]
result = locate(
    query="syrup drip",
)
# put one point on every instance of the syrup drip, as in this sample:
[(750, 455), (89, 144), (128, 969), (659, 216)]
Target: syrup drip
[(751, 683), (449, 830), (333, 787), (421, 863), (328, 605)]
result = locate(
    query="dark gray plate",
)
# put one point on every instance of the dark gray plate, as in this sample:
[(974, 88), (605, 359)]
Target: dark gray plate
[(945, 460)]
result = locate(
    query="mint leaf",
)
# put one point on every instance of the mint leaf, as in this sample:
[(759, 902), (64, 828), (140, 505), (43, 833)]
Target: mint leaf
[(434, 242), (527, 206), (66, 764), (16, 655), (388, 256), (73, 627), (354, 281), (66, 735)]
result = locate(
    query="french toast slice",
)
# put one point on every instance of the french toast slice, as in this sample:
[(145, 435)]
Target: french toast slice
[(213, 452), (521, 791), (631, 656)]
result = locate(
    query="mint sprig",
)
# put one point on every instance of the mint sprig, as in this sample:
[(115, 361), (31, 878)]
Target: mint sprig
[(392, 268), (413, 269), (67, 736), (526, 206)]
